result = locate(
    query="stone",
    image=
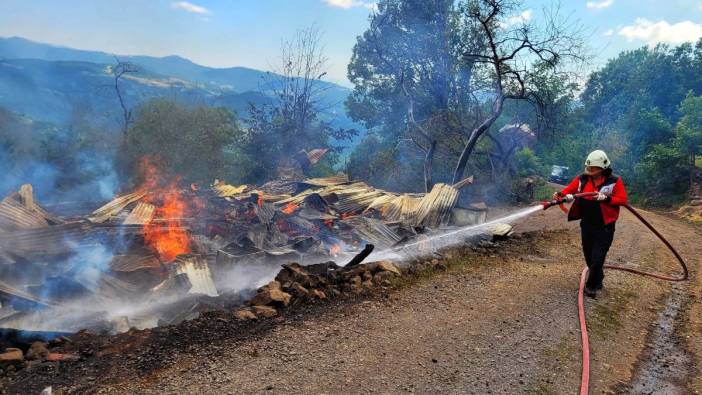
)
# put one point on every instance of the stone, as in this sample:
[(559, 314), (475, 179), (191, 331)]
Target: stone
[(367, 284), (386, 266), (299, 289), (264, 311), (11, 357), (269, 296), (383, 278), (54, 357), (293, 272), (318, 294), (696, 202), (244, 314), (367, 276), (37, 351), (356, 282), (59, 341)]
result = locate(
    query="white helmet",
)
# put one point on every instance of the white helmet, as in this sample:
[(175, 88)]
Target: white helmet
[(598, 158)]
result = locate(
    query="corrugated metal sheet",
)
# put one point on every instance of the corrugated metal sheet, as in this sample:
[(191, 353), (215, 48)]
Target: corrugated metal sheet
[(48, 241), (327, 181), (132, 263), (401, 208), (265, 212), (14, 216), (435, 207), (356, 202), (25, 196), (9, 290), (115, 206), (226, 190), (316, 154), (141, 214), (373, 231), (198, 271)]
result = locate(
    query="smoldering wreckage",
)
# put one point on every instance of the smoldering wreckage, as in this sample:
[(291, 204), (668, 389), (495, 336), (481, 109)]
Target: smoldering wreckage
[(162, 253)]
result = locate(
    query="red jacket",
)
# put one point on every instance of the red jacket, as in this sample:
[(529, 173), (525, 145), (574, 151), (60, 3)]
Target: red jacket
[(612, 186)]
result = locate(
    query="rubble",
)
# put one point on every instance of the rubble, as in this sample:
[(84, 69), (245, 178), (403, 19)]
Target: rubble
[(264, 311), (37, 351), (245, 314), (190, 246), (11, 357), (271, 294)]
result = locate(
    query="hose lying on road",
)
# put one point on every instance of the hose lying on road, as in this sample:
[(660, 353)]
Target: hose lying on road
[(585, 377)]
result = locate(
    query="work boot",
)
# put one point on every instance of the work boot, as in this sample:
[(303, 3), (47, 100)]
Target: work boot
[(590, 292)]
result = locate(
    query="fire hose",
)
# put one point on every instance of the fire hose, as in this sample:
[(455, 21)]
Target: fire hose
[(585, 376)]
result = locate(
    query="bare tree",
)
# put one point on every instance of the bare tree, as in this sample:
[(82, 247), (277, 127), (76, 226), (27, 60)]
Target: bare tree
[(119, 70), (512, 54), (430, 141), (297, 76)]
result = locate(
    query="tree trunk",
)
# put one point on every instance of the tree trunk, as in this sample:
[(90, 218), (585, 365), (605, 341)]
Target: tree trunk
[(428, 162), (473, 140)]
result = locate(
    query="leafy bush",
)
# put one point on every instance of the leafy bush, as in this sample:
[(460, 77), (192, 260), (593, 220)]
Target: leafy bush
[(527, 163), (662, 177)]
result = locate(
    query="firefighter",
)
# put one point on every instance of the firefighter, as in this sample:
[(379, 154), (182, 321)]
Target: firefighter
[(597, 214)]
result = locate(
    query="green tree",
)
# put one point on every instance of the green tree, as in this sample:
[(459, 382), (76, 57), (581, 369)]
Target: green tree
[(192, 142), (409, 78), (688, 132), (460, 61), (662, 175)]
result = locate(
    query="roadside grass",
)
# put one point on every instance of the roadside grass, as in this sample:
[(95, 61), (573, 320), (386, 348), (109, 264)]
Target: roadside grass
[(544, 192), (455, 260), (698, 161), (608, 312)]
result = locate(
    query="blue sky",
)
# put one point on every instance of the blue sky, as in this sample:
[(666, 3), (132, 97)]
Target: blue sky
[(224, 33)]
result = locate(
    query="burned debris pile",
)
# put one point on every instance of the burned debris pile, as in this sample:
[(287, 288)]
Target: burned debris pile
[(162, 253), (295, 284)]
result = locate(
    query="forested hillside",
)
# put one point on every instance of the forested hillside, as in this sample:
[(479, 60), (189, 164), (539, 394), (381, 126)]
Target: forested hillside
[(643, 107)]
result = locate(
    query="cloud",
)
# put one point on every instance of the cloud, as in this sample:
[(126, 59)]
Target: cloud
[(599, 4), (609, 33), (346, 4), (524, 17), (190, 7), (661, 31)]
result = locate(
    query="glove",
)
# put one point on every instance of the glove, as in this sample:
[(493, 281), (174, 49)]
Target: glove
[(557, 195), (601, 196), (569, 198)]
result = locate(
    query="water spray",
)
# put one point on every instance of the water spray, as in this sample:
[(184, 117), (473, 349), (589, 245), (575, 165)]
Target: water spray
[(436, 242)]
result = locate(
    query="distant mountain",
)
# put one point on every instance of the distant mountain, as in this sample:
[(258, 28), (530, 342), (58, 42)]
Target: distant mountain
[(48, 83)]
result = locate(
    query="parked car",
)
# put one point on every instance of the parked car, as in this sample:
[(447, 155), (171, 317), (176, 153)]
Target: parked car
[(559, 174)]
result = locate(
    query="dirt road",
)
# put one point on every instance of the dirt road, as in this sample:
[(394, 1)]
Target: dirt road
[(501, 321)]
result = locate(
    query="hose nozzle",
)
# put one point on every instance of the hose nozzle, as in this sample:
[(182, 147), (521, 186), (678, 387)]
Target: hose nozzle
[(550, 203)]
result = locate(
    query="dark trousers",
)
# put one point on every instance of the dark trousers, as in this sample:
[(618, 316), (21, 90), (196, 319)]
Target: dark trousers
[(596, 243)]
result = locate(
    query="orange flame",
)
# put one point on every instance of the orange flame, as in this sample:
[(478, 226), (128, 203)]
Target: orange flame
[(335, 250), (290, 208), (347, 215), (260, 200), (164, 234), (329, 223)]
